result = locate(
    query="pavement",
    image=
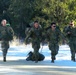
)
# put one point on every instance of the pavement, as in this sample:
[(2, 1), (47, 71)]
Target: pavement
[(19, 66)]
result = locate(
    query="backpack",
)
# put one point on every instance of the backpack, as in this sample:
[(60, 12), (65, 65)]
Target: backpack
[(7, 33)]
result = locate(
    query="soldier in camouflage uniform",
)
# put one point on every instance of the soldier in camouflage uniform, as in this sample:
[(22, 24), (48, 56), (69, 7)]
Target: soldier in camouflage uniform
[(70, 33), (35, 34), (4, 41), (32, 58), (53, 35)]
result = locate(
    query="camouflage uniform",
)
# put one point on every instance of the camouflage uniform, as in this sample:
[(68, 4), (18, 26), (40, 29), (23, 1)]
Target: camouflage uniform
[(4, 41), (53, 38), (72, 40), (35, 35), (32, 58)]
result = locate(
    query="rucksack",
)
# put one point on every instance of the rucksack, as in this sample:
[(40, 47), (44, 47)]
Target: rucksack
[(7, 33)]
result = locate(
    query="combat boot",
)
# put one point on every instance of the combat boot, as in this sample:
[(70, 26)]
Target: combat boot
[(52, 61), (4, 59), (53, 58), (36, 61), (73, 59)]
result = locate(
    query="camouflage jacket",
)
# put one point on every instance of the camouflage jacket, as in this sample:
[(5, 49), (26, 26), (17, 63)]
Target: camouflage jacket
[(53, 36), (66, 30), (4, 30), (35, 34)]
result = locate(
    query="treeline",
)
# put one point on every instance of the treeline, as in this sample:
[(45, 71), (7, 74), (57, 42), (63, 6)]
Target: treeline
[(20, 13)]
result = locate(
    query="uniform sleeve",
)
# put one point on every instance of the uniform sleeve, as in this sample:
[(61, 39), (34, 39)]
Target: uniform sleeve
[(11, 31), (66, 30), (47, 35), (0, 33), (29, 34), (60, 36), (73, 32)]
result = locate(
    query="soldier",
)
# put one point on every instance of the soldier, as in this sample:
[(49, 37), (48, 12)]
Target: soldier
[(6, 36), (35, 34), (53, 36), (70, 33), (32, 58)]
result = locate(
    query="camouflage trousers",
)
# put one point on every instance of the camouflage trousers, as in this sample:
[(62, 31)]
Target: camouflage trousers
[(4, 46), (36, 46), (54, 47), (72, 46)]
